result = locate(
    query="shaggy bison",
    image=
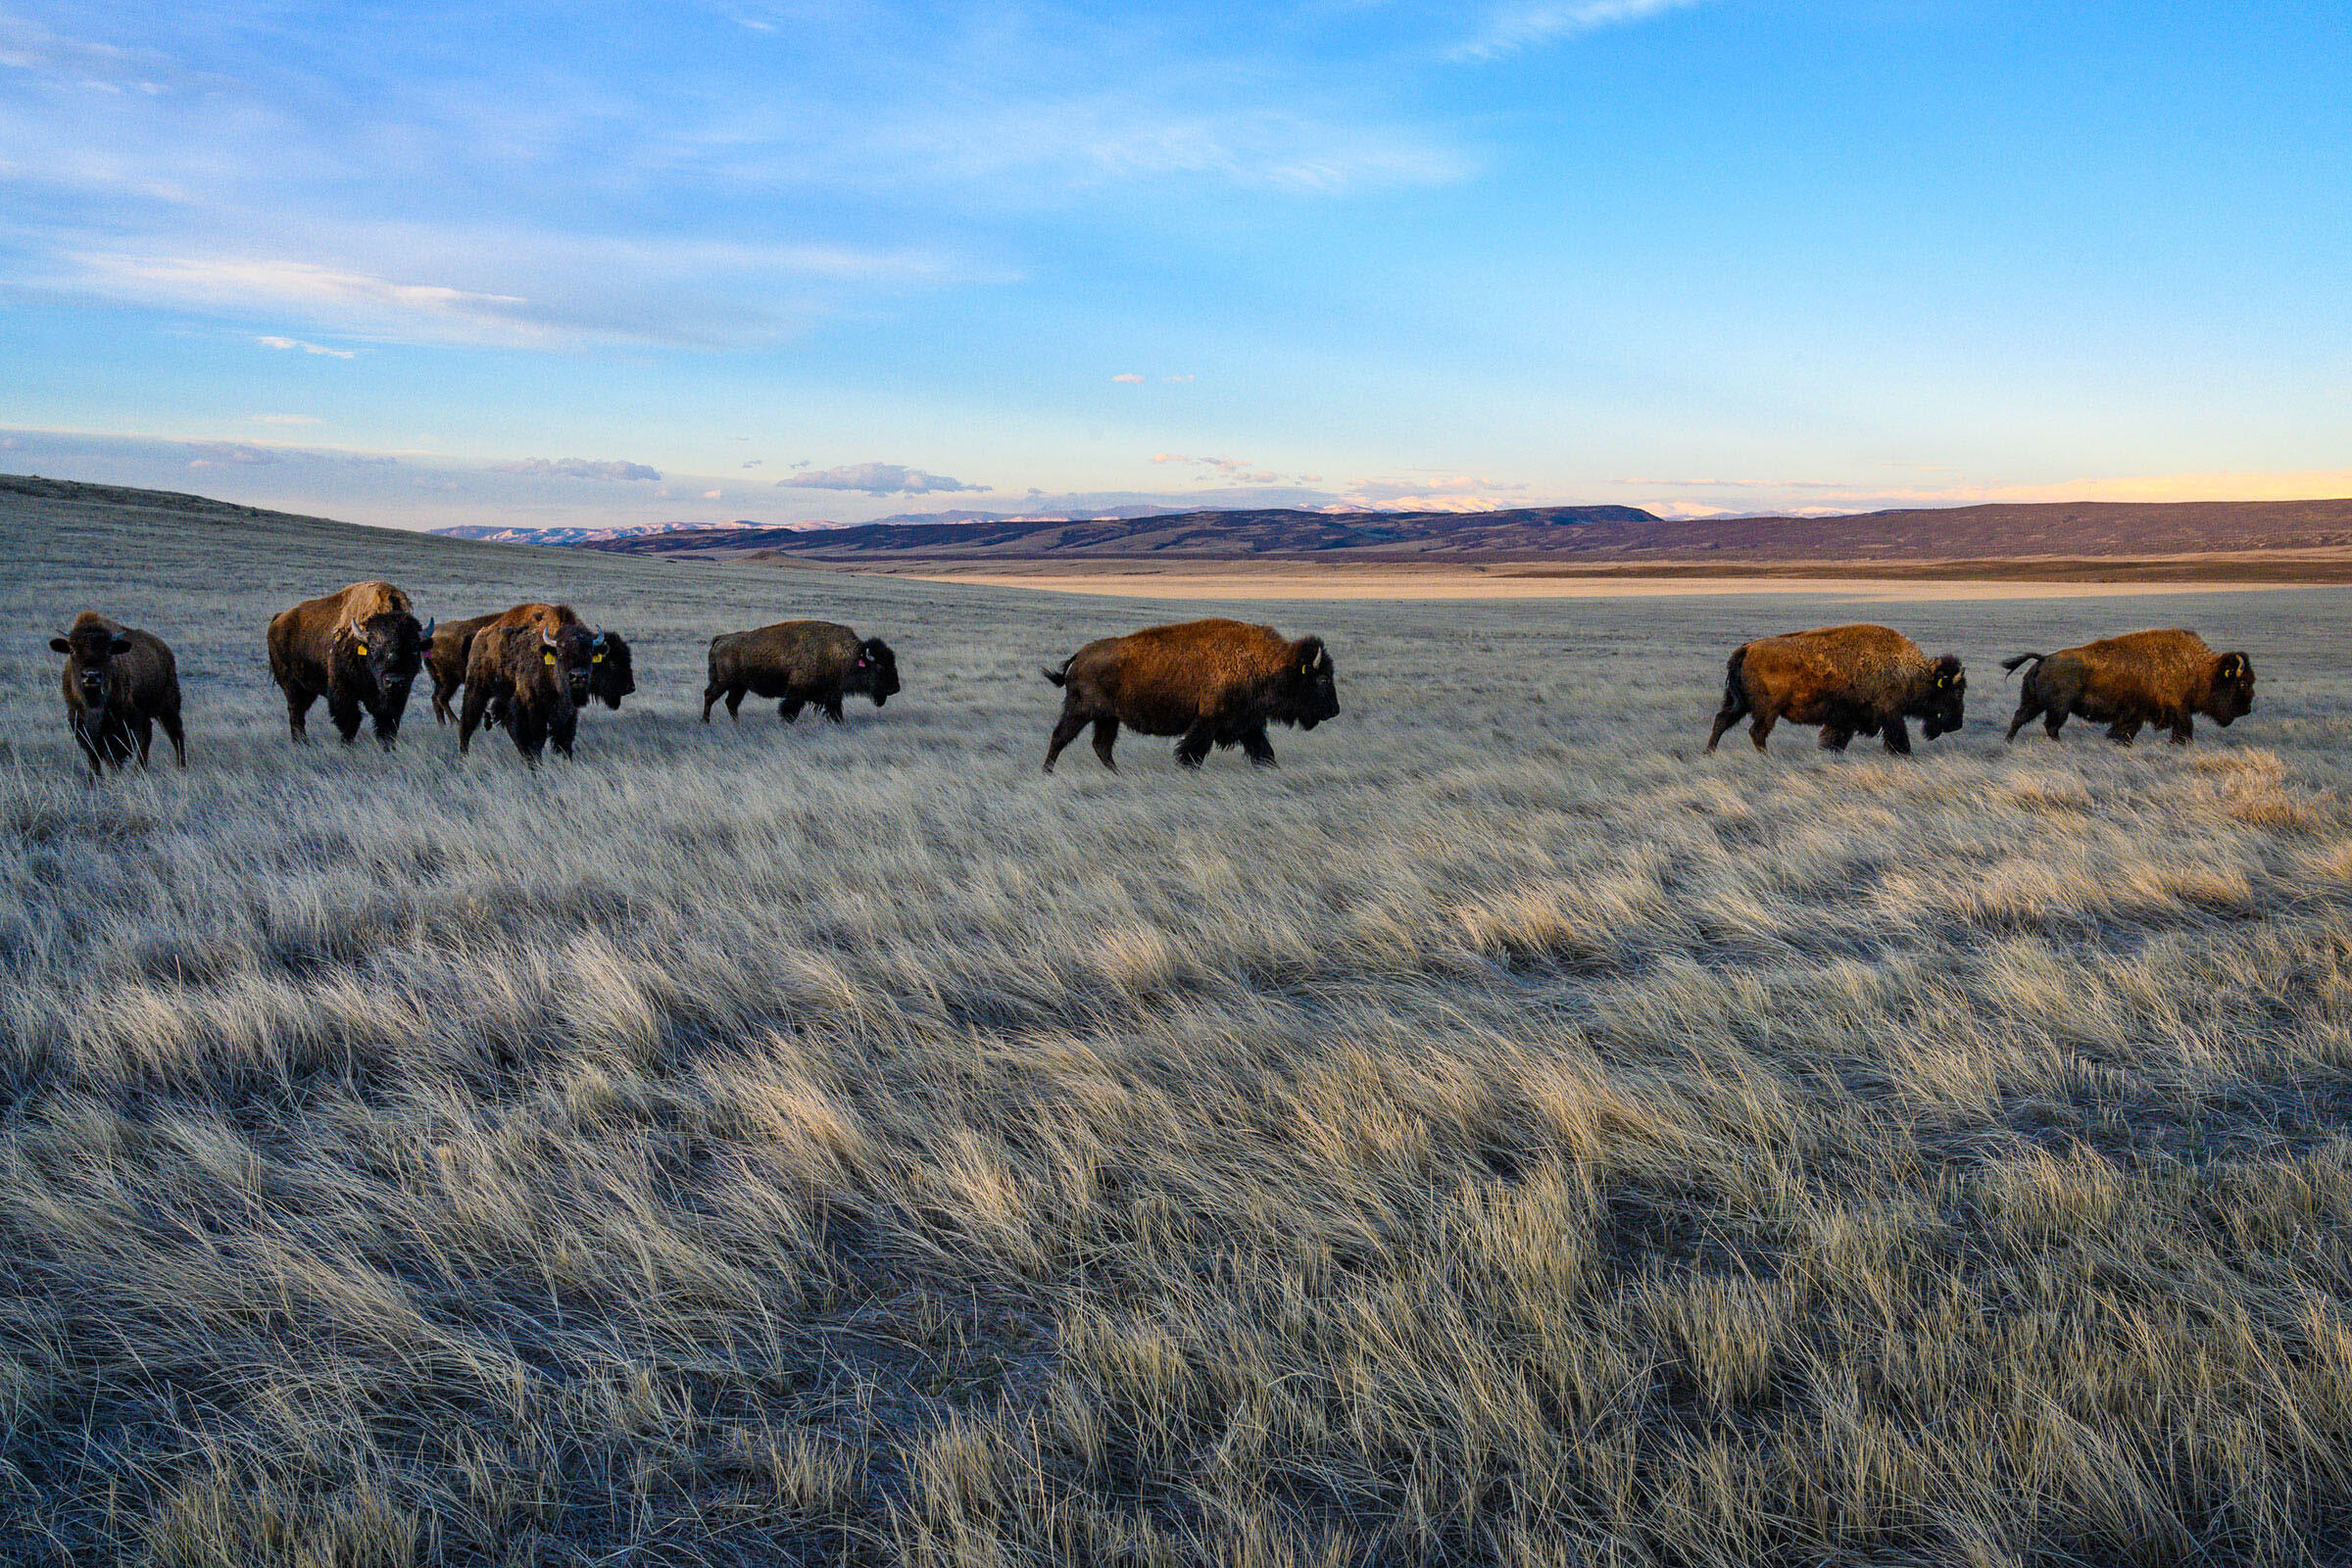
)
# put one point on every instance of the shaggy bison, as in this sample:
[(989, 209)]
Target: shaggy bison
[(799, 662), (445, 659), (1850, 680), (1213, 682), (533, 672), (359, 648), (120, 684), (2145, 677)]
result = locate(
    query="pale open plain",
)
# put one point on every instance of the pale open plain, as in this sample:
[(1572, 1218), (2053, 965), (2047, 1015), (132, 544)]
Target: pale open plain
[(1501, 1135)]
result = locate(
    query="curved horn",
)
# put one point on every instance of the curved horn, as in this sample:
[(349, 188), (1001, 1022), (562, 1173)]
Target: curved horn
[(428, 627)]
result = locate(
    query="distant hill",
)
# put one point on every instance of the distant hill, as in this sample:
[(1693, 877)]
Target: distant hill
[(496, 533), (1595, 534)]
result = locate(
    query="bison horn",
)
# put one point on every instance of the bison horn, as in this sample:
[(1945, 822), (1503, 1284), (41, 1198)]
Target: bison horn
[(428, 627)]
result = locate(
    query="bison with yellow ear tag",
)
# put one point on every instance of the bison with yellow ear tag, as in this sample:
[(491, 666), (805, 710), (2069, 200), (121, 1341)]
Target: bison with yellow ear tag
[(360, 648), (1850, 680), (2143, 677), (1213, 682)]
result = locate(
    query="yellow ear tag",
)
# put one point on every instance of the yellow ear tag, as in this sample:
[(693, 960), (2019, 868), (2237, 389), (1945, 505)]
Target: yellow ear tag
[(549, 660), (597, 658), (361, 649)]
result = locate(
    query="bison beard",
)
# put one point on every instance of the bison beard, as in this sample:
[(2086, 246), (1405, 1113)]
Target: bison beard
[(1213, 682), (120, 683)]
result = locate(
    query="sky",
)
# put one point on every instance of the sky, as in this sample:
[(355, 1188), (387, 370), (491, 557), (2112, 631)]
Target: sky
[(609, 264)]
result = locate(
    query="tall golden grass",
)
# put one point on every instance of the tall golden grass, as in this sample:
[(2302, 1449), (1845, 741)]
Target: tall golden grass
[(1500, 1136)]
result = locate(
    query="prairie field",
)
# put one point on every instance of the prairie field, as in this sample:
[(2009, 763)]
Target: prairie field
[(1501, 1135)]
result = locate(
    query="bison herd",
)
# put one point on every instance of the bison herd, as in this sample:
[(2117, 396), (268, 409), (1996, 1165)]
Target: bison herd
[(531, 669)]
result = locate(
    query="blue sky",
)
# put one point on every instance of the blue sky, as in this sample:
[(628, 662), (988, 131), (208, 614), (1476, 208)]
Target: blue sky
[(780, 261)]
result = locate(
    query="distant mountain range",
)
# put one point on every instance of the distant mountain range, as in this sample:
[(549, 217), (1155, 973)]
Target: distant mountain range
[(1595, 534), (506, 535)]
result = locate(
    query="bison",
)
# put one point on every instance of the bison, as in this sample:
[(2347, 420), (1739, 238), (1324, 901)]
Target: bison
[(359, 648), (799, 662), (2144, 677), (609, 676), (120, 683), (445, 659), (1850, 680), (1213, 682), (534, 672)]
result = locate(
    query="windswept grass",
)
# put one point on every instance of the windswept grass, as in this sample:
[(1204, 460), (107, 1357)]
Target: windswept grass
[(1500, 1136)]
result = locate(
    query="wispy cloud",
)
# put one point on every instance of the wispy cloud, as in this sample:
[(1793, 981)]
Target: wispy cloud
[(307, 348), (284, 419), (214, 454), (1130, 379), (1235, 470), (578, 469), (877, 479), (1512, 27)]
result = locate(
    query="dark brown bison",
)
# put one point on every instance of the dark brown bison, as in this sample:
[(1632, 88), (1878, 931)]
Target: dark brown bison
[(801, 664), (359, 648), (532, 672), (1850, 680), (445, 659), (611, 672), (2144, 677), (120, 683), (611, 675), (1213, 682)]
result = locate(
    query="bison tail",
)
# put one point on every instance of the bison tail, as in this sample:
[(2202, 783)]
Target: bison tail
[(2012, 663), (1062, 677), (1734, 671)]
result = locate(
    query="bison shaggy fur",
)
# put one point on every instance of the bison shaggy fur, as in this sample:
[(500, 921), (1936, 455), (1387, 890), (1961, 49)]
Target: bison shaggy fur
[(800, 664), (1213, 682), (533, 672), (360, 648), (445, 661), (1850, 680), (2144, 677), (120, 683)]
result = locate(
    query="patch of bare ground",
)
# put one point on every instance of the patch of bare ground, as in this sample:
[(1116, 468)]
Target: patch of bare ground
[(1503, 1135)]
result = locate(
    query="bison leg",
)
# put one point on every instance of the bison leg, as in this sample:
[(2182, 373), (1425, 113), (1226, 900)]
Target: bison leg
[(561, 728), (1835, 736), (1106, 735), (298, 711), (1897, 735), (168, 716), (789, 709), (146, 734), (1734, 711), (1194, 746), (2027, 708), (387, 724), (735, 704), (832, 708), (1065, 730), (2185, 727), (89, 748), (441, 690), (1760, 728), (528, 726), (477, 701), (347, 713), (711, 695), (2124, 731), (1257, 748)]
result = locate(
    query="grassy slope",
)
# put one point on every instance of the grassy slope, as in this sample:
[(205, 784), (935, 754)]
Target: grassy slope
[(1499, 1136)]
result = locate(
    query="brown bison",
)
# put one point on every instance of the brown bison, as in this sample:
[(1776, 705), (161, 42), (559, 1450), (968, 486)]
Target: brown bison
[(1850, 680), (799, 662), (445, 659), (2145, 677), (1213, 682), (611, 673), (533, 672), (120, 684), (359, 648)]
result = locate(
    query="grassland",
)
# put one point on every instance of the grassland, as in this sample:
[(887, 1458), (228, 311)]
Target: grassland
[(1503, 1135)]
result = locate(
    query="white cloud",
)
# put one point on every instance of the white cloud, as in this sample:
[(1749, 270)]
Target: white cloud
[(1175, 378), (877, 479), (1130, 378), (1521, 26), (578, 469), (307, 348), (1461, 492), (215, 454), (755, 463)]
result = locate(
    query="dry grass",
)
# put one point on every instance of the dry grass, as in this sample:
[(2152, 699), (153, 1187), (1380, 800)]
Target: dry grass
[(1502, 1136)]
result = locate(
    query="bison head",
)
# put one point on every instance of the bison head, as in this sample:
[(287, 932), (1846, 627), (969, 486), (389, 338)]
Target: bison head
[(89, 654), (2231, 692), (1941, 709), (389, 648), (1307, 694), (569, 654), (876, 672), (610, 675)]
